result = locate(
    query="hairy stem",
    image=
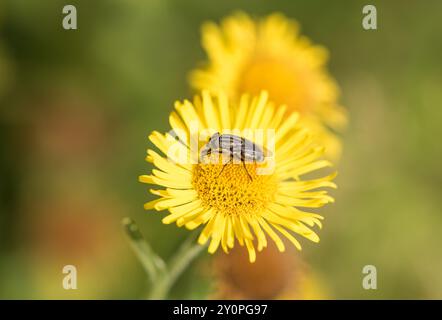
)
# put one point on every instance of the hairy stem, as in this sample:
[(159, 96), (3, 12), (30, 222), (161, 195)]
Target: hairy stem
[(152, 263), (188, 251), (161, 276)]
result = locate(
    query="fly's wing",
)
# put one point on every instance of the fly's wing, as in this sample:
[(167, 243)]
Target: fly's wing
[(205, 151), (240, 148), (260, 152), (221, 145), (214, 140), (231, 145), (227, 141), (251, 152), (254, 152)]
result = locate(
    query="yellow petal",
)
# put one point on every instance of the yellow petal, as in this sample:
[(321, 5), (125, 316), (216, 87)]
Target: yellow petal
[(210, 113), (251, 250), (218, 231), (203, 218), (180, 211), (259, 109), (289, 236), (224, 111), (173, 202), (242, 112), (262, 241), (165, 183), (208, 230), (272, 234)]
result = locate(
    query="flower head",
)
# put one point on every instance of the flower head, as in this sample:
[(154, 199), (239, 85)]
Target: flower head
[(270, 54), (273, 276), (238, 200)]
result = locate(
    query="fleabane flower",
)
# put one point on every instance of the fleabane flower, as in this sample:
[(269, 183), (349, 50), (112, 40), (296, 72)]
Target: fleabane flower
[(246, 55), (274, 276), (247, 202)]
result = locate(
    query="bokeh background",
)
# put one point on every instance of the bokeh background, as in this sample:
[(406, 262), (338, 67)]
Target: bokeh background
[(76, 108)]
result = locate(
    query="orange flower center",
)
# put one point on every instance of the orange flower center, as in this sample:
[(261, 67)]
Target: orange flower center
[(286, 83)]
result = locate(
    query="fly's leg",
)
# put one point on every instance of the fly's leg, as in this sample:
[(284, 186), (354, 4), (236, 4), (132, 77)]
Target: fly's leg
[(244, 165), (230, 160)]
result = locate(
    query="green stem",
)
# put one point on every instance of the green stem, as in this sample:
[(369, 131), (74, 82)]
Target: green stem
[(152, 264), (162, 277), (188, 251)]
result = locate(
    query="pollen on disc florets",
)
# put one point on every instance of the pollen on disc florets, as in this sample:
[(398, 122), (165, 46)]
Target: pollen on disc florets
[(233, 192)]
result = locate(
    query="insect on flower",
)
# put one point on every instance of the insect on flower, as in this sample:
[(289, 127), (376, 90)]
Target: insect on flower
[(235, 148), (230, 211)]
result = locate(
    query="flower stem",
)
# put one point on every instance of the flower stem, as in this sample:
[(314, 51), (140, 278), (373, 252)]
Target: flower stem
[(188, 251), (162, 276), (152, 263)]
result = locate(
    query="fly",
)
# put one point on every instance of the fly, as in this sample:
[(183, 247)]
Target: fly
[(234, 147)]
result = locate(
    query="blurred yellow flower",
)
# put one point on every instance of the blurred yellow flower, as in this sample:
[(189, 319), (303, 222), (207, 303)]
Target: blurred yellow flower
[(233, 200), (270, 54), (273, 276)]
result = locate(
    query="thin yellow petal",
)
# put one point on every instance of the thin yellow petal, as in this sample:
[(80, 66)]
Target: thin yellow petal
[(208, 230), (218, 231), (165, 183), (272, 234), (224, 110), (251, 250), (210, 113), (289, 236), (242, 112)]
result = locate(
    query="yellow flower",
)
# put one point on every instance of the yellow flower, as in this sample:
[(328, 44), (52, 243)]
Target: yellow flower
[(270, 54), (274, 276), (237, 200)]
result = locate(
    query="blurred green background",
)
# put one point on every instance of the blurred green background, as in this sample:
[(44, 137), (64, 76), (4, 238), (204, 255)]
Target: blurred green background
[(76, 107)]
